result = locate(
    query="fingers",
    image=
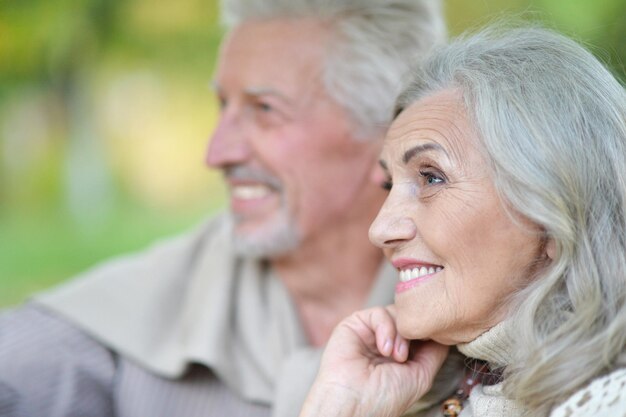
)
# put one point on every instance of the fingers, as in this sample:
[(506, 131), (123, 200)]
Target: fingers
[(401, 349), (376, 331), (388, 341), (400, 346), (379, 320)]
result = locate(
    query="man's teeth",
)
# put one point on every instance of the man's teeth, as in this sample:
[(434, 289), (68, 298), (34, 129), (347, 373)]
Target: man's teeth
[(409, 274), (249, 192)]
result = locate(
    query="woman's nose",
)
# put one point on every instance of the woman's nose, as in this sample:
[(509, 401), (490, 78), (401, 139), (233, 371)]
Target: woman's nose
[(392, 226)]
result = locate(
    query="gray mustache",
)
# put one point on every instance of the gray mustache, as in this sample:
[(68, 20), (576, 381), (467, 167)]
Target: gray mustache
[(244, 173)]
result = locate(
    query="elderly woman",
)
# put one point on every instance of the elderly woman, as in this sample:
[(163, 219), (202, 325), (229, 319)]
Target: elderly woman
[(506, 221)]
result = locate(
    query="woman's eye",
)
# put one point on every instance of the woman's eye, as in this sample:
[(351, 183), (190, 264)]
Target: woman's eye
[(386, 185), (432, 178)]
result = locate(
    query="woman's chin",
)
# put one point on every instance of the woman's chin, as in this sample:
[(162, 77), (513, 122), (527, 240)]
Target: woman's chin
[(410, 329)]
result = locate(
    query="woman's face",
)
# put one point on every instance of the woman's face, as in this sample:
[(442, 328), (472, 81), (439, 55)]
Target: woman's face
[(458, 252)]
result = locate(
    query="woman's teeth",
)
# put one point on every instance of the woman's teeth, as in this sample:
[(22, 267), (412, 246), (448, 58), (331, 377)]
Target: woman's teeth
[(409, 274)]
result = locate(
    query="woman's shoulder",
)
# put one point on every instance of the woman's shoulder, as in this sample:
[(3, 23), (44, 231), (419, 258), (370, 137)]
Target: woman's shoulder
[(604, 396)]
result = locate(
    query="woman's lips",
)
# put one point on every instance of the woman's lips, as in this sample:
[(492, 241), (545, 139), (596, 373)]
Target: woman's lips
[(413, 271)]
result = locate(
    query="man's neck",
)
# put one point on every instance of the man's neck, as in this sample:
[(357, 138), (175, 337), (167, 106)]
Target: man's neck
[(330, 278)]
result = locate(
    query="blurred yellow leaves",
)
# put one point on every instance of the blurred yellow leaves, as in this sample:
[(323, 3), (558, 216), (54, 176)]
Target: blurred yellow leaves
[(156, 134)]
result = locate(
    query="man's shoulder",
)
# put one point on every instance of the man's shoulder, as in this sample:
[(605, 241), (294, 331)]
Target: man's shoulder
[(170, 257), (32, 337), (42, 356), (144, 306), (213, 234)]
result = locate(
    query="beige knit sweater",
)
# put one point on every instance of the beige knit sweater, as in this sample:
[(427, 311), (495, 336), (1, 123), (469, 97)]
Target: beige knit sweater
[(605, 396)]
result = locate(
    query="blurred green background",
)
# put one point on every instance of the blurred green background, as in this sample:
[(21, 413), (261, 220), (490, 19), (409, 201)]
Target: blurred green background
[(105, 112)]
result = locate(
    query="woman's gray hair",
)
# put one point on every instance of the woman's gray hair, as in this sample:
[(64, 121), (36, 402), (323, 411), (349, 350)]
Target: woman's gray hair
[(374, 41), (552, 121)]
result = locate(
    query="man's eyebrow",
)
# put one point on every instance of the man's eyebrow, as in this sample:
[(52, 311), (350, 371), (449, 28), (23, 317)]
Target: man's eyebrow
[(383, 164), (266, 91), (254, 91), (416, 150)]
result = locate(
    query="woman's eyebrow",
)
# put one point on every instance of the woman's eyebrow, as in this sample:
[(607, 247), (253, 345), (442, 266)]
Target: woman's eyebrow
[(416, 150)]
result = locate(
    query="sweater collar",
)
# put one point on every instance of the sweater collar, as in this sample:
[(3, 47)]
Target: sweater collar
[(494, 346)]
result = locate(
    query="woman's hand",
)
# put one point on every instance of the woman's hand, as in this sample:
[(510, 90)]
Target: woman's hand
[(368, 369)]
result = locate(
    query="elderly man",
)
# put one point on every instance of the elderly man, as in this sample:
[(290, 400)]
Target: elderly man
[(228, 319)]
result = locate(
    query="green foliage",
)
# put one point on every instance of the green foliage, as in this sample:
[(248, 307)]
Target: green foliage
[(41, 248)]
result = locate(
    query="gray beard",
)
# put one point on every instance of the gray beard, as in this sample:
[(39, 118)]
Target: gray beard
[(275, 239)]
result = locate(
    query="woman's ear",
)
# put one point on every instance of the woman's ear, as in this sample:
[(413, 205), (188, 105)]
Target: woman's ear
[(550, 248)]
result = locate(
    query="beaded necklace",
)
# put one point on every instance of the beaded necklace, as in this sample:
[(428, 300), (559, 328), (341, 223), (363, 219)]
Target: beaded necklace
[(476, 372)]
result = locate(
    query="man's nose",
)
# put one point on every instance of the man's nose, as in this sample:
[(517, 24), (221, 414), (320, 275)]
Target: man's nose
[(229, 144), (392, 226)]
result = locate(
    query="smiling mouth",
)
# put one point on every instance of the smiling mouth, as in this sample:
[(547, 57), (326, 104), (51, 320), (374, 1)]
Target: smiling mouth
[(250, 192), (415, 273)]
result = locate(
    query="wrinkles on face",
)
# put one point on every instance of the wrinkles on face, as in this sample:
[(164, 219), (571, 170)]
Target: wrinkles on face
[(287, 148), (445, 191), (464, 174)]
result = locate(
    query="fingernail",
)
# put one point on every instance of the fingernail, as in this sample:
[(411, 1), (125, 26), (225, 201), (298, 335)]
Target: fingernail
[(388, 347), (401, 349)]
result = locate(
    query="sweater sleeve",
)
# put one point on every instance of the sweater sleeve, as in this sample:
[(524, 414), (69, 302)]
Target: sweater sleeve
[(605, 396), (49, 368)]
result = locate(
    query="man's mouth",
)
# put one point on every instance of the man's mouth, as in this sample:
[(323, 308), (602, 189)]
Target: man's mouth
[(250, 191)]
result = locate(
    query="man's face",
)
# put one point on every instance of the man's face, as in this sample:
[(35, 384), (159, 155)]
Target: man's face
[(287, 150)]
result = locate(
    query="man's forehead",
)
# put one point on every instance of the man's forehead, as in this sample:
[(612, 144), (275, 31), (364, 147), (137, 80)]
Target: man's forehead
[(278, 36), (271, 58), (263, 91)]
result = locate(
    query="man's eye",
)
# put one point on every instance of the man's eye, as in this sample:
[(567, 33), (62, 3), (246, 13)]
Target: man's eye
[(264, 107), (387, 185), (222, 102)]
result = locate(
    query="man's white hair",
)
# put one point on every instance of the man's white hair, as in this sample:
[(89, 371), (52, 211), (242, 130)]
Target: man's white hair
[(373, 43)]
